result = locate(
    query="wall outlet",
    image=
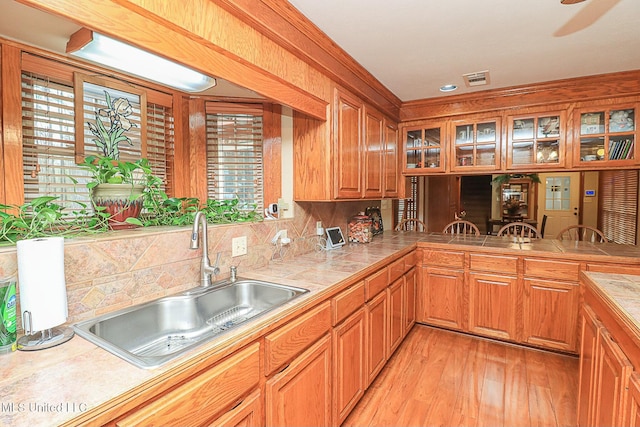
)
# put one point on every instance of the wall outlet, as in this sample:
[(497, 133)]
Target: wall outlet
[(319, 229), (239, 246)]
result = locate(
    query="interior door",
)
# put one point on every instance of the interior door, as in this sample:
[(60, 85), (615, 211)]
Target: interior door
[(559, 200)]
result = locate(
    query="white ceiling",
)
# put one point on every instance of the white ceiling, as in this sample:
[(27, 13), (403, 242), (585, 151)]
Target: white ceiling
[(415, 46)]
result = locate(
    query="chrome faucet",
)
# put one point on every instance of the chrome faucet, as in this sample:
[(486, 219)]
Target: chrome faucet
[(206, 269)]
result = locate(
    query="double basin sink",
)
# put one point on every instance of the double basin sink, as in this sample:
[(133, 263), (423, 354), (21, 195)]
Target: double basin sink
[(151, 334)]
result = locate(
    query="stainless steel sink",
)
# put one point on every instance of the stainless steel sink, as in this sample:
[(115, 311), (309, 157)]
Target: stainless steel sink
[(156, 332)]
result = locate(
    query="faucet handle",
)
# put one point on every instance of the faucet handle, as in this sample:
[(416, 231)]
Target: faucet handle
[(234, 273)]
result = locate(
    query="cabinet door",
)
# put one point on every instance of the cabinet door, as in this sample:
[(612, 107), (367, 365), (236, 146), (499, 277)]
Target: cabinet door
[(492, 305), (348, 147), (476, 145), (373, 154), (605, 137), (612, 378), (300, 394), (247, 414), (632, 414), (349, 373), (536, 141), (424, 148), (551, 313), (391, 179), (410, 280), (440, 298), (395, 295), (376, 335), (589, 346), (199, 400)]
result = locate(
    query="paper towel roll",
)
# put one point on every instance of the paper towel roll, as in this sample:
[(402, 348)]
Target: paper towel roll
[(43, 290)]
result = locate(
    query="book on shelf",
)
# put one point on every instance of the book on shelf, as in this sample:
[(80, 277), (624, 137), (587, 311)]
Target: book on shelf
[(621, 149)]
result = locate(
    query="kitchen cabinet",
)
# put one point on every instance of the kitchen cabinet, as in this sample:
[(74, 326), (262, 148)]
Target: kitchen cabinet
[(300, 394), (605, 136), (612, 375), (349, 367), (391, 180), (377, 335), (492, 305), (590, 333), (410, 288), (348, 145), (632, 412), (374, 152), (203, 398), (396, 310), (440, 302), (248, 413), (424, 148), (476, 144), (536, 141)]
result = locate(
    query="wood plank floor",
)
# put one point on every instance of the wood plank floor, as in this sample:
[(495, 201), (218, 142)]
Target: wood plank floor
[(442, 378)]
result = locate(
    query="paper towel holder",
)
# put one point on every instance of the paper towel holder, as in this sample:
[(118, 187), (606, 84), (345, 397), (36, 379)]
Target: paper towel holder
[(51, 337)]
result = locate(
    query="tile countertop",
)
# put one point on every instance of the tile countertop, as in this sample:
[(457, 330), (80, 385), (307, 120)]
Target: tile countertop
[(620, 293), (53, 386)]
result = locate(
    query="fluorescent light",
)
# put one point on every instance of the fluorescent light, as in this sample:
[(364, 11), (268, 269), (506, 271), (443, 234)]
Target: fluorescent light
[(121, 56), (448, 88)]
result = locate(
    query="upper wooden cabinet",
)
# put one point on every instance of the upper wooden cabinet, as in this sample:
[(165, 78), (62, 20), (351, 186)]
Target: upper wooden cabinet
[(605, 136), (476, 144), (536, 141), (349, 146), (424, 148)]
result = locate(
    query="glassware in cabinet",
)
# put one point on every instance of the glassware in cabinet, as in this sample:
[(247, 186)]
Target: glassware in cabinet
[(424, 149), (536, 140), (476, 145), (606, 135)]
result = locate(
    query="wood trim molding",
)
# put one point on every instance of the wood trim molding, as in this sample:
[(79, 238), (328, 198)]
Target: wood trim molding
[(152, 32), (272, 153), (286, 26), (543, 94), (12, 192)]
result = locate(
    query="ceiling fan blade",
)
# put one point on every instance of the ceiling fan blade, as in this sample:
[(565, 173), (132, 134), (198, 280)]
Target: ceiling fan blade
[(589, 14)]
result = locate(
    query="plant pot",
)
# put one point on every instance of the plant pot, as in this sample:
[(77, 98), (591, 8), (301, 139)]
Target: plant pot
[(120, 201)]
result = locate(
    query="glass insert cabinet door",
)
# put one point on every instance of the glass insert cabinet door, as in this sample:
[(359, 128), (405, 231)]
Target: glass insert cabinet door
[(424, 150), (536, 140), (476, 145), (608, 135)]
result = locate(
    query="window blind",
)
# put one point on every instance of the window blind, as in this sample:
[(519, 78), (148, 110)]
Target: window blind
[(48, 142), (619, 205), (407, 208), (234, 153)]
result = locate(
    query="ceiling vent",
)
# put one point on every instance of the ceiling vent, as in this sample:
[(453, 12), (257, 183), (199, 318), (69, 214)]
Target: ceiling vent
[(479, 78)]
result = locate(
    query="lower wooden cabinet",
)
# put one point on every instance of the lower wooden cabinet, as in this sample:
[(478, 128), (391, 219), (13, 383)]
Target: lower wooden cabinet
[(441, 298), (410, 289), (377, 331), (248, 413), (551, 314), (590, 333), (492, 305), (200, 400), (349, 360), (612, 376), (396, 325), (632, 412), (300, 394)]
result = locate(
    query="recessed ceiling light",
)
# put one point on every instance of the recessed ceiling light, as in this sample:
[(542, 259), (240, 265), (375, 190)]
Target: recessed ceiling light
[(448, 88)]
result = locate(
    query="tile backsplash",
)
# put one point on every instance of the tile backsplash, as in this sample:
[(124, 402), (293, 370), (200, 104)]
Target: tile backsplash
[(123, 268)]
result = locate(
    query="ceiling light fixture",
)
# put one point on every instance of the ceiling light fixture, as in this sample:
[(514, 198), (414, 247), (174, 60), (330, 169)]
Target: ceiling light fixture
[(112, 53), (448, 88)]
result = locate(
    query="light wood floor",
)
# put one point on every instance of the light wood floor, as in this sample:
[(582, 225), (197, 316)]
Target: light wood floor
[(441, 378)]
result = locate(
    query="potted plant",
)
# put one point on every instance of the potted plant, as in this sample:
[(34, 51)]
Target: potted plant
[(117, 187)]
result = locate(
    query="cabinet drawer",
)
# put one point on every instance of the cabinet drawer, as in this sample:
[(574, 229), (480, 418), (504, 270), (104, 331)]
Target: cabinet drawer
[(204, 397), (290, 340), (396, 269), (409, 261), (614, 268), (443, 259), (347, 301), (493, 263), (551, 269), (376, 283)]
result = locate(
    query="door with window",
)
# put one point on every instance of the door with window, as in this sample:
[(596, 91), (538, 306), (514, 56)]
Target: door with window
[(559, 200)]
